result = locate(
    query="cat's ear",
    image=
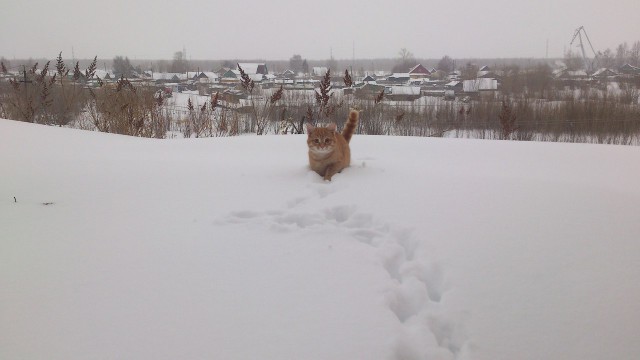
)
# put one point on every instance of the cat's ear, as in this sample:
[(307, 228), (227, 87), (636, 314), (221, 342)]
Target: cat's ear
[(309, 128), (332, 126)]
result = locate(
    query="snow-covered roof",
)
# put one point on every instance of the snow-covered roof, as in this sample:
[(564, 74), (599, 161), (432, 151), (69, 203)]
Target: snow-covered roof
[(604, 72), (199, 74), (103, 74), (419, 69), (628, 68), (483, 73), (250, 68), (169, 76), (210, 74), (369, 78)]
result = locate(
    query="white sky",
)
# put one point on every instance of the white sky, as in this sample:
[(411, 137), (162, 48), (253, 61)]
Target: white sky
[(277, 29)]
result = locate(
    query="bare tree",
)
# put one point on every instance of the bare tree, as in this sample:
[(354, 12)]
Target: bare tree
[(405, 61)]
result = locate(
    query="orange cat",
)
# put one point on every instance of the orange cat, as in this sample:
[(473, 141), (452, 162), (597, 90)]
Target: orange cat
[(329, 151)]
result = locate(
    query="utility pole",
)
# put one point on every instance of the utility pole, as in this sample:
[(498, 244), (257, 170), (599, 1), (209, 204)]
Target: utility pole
[(25, 81), (547, 52), (353, 56)]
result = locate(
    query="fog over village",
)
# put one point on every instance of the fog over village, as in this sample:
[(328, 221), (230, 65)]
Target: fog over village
[(406, 180)]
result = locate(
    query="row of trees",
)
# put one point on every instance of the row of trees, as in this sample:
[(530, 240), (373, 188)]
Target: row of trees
[(623, 54)]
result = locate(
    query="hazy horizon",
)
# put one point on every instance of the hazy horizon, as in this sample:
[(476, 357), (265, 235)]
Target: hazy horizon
[(275, 30)]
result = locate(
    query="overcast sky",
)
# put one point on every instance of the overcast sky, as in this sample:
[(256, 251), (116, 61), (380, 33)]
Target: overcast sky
[(277, 29)]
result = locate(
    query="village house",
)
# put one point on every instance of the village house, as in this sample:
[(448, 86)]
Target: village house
[(287, 74), (454, 85), (403, 93), (419, 72), (479, 85), (369, 79), (398, 78), (204, 77), (162, 78), (254, 68), (629, 71), (486, 73), (368, 91), (604, 74), (230, 77)]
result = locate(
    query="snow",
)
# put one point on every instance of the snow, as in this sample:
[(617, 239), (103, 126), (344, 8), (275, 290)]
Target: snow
[(231, 248)]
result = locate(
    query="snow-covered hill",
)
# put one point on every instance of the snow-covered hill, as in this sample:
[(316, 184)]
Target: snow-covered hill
[(230, 248)]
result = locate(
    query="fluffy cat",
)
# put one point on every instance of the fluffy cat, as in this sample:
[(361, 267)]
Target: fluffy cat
[(329, 151)]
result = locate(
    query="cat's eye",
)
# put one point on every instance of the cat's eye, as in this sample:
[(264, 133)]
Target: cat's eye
[(326, 141), (317, 141)]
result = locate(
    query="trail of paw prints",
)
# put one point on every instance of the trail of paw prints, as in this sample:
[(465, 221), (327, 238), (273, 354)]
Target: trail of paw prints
[(417, 285)]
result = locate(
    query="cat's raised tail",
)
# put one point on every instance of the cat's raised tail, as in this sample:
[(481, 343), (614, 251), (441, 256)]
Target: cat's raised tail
[(350, 126)]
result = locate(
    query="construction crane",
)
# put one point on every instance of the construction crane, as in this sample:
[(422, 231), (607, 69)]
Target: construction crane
[(589, 66)]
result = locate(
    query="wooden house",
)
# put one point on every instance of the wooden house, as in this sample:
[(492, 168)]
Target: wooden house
[(419, 72), (369, 79), (629, 70), (604, 74)]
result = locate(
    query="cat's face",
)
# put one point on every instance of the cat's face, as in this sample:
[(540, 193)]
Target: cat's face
[(321, 140)]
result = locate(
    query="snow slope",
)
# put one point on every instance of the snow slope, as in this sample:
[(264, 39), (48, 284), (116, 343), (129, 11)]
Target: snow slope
[(230, 248)]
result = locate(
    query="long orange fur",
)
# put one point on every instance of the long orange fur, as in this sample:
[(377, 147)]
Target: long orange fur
[(329, 150)]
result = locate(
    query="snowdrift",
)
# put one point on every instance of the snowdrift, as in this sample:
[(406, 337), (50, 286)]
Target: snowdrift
[(231, 248)]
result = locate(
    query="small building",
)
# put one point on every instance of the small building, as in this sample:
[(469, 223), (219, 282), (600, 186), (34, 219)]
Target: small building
[(404, 93), (454, 75), (629, 70), (233, 96), (369, 79), (604, 74), (399, 78), (477, 85), (162, 78), (287, 74), (368, 91), (203, 77), (254, 68), (565, 74), (419, 72), (455, 85), (230, 77)]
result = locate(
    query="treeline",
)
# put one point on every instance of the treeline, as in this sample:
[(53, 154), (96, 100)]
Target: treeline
[(530, 106)]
